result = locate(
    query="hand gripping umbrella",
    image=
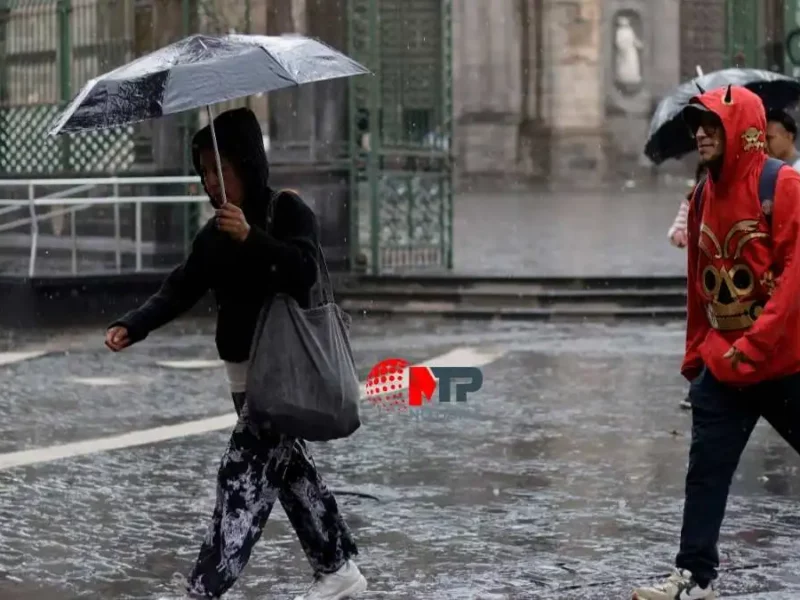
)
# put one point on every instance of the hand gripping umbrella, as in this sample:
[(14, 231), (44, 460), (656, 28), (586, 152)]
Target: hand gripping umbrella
[(198, 71)]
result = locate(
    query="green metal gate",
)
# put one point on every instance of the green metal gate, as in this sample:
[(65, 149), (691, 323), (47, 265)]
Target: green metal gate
[(756, 32), (48, 49), (400, 120), (744, 25), (401, 130)]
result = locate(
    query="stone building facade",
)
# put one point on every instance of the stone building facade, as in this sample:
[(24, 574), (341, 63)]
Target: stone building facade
[(527, 89), (543, 90), (563, 90)]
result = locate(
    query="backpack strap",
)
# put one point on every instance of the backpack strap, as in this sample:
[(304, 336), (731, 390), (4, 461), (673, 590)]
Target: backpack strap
[(767, 183)]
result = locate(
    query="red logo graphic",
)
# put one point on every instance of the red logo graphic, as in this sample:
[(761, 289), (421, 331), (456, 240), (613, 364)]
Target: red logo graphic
[(394, 384)]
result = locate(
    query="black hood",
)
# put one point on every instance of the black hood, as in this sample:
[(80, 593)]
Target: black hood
[(241, 142)]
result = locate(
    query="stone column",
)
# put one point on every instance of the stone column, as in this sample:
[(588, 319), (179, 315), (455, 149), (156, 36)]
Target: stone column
[(168, 150), (309, 122), (666, 55), (290, 125), (258, 25), (574, 91), (308, 126), (487, 86), (666, 59), (534, 132)]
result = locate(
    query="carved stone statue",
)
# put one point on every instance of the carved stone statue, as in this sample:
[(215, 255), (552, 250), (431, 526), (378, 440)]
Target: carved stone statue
[(628, 64)]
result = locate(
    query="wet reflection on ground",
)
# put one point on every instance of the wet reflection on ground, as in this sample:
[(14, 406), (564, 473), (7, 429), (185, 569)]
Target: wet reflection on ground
[(562, 478)]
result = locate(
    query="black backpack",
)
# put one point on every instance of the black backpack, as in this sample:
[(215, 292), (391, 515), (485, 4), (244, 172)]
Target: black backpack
[(767, 183)]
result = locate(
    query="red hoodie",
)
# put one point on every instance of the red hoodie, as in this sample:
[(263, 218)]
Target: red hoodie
[(743, 279)]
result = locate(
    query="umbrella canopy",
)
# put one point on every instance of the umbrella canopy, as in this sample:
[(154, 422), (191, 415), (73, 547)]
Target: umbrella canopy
[(198, 71), (669, 136)]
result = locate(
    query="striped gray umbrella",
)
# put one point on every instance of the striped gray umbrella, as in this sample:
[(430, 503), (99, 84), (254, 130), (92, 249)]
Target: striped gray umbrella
[(199, 71)]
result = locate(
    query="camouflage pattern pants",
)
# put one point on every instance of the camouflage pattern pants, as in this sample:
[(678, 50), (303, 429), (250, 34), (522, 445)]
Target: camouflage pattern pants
[(255, 471)]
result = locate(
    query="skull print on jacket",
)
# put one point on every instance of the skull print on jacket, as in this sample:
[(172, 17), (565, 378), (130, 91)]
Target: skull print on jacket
[(744, 280)]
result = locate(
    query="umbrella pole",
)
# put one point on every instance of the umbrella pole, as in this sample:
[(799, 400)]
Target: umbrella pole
[(216, 153)]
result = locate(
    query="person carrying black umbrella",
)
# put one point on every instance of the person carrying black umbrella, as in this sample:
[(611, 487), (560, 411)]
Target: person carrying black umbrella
[(742, 353), (260, 243), (668, 137)]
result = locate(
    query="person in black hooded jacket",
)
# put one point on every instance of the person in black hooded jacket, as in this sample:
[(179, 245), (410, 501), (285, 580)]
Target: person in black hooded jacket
[(258, 244)]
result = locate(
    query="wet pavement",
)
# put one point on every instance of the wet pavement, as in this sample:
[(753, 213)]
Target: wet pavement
[(562, 478), (614, 231)]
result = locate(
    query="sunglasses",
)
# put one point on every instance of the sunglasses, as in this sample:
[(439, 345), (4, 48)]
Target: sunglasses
[(709, 122)]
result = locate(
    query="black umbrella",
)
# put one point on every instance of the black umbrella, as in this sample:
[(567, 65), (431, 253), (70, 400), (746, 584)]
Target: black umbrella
[(669, 137), (198, 71)]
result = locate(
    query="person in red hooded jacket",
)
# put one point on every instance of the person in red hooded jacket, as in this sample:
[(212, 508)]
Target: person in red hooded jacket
[(743, 328)]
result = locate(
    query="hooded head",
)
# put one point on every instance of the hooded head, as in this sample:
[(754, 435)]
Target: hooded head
[(245, 168), (729, 124)]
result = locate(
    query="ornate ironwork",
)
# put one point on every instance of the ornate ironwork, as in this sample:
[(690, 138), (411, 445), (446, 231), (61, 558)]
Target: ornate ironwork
[(400, 119), (401, 127), (27, 148), (48, 49)]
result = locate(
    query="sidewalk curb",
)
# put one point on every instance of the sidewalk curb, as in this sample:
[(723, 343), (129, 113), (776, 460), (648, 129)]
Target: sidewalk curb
[(57, 301), (516, 314)]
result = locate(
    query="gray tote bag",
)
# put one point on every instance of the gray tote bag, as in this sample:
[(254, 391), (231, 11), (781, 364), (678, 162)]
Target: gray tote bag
[(302, 378)]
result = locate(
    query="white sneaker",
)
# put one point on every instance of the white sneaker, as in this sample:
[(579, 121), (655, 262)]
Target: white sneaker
[(179, 583), (344, 583), (678, 586)]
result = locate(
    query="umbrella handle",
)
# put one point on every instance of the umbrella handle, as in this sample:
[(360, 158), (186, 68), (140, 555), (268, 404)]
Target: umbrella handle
[(216, 153)]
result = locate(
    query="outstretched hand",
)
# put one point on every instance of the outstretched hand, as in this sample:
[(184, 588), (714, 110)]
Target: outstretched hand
[(117, 338), (232, 221)]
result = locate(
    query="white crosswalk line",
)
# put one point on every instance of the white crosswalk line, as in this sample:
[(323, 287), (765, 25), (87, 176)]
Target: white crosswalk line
[(459, 357), (98, 381), (193, 364), (126, 440), (10, 358)]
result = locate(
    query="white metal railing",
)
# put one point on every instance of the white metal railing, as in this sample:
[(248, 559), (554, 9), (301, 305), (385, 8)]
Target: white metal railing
[(76, 204)]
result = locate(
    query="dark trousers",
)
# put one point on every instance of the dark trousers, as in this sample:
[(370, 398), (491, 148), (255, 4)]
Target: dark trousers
[(723, 418), (256, 470)]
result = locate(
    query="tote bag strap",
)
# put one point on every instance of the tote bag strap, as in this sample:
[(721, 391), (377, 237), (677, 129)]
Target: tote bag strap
[(323, 282), (322, 290)]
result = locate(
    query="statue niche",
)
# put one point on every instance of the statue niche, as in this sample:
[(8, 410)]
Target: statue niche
[(627, 54)]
